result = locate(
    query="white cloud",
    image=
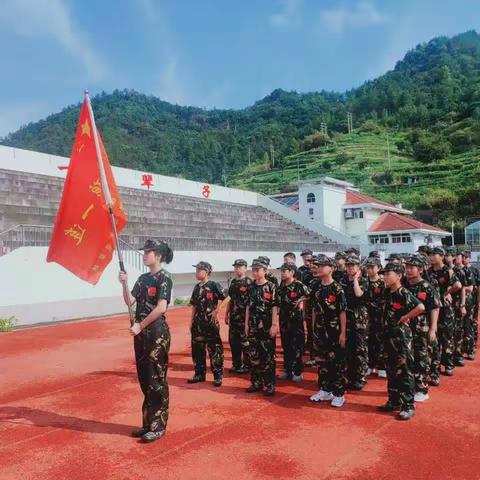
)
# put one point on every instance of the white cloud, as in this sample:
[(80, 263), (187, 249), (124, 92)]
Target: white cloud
[(290, 12), (52, 19), (361, 14)]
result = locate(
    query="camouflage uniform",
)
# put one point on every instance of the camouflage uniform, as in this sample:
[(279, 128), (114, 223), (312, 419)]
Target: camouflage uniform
[(151, 346), (465, 278), (374, 299), (398, 348), (307, 278), (328, 301), (205, 330), (420, 326), (471, 324), (340, 276), (238, 293), (444, 278), (291, 325), (262, 299), (357, 333)]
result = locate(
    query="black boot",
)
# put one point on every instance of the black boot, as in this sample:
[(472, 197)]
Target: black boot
[(217, 380), (139, 432), (196, 379)]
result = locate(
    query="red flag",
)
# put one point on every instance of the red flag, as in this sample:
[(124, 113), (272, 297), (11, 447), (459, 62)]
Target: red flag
[(83, 239)]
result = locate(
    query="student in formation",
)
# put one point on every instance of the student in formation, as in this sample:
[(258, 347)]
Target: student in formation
[(448, 284), (329, 319), (205, 329), (400, 308), (151, 296), (355, 287), (291, 297), (374, 299), (471, 322), (236, 309), (306, 278), (261, 329), (424, 326)]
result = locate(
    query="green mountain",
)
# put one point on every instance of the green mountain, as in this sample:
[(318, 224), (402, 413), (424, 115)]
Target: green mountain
[(415, 135)]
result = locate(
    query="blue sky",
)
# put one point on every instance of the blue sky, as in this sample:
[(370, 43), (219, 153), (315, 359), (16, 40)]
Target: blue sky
[(208, 53)]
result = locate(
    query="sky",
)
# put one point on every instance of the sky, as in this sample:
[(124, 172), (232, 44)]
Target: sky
[(206, 53)]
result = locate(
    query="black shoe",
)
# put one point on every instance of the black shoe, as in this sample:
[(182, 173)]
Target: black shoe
[(448, 372), (255, 387), (388, 407), (434, 382), (139, 432), (269, 391), (217, 381), (471, 356), (196, 379), (459, 362), (152, 436), (243, 370), (234, 370), (357, 386), (406, 414)]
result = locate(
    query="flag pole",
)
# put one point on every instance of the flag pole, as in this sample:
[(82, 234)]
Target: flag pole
[(108, 201)]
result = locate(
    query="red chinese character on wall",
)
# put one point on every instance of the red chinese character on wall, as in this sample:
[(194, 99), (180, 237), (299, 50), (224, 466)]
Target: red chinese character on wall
[(206, 191), (147, 180)]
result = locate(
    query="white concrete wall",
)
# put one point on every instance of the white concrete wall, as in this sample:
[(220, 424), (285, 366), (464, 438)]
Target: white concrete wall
[(332, 200)]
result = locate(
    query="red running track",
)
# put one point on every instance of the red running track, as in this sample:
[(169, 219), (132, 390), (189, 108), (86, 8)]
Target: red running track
[(69, 398)]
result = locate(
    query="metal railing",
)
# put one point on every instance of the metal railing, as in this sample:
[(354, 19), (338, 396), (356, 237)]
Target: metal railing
[(40, 235)]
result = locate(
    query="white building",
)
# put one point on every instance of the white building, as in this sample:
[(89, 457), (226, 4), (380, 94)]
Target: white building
[(366, 220)]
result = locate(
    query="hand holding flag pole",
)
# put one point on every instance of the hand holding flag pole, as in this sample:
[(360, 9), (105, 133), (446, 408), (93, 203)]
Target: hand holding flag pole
[(108, 201)]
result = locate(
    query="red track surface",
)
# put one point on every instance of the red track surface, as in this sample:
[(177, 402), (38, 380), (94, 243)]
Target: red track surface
[(69, 398)]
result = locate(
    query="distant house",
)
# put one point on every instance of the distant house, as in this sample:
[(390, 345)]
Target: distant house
[(379, 225)]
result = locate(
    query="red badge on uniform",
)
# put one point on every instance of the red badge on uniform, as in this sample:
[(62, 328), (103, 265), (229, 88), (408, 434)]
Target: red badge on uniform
[(377, 290), (243, 288), (422, 295), (293, 295), (152, 291), (209, 296), (442, 280), (267, 295), (397, 306), (331, 298)]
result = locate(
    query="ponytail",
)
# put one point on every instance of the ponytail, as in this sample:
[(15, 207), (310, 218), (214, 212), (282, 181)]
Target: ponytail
[(166, 252)]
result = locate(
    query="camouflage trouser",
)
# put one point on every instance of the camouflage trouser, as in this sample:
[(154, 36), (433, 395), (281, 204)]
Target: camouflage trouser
[(442, 353), (458, 333), (238, 343), (375, 340), (475, 328), (469, 333), (421, 359), (206, 336), (330, 358), (357, 346), (399, 362), (261, 352), (307, 317), (293, 344), (151, 356)]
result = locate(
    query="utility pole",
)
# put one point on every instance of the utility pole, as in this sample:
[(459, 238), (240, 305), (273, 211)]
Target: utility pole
[(388, 152), (249, 156), (349, 122), (272, 155), (323, 128)]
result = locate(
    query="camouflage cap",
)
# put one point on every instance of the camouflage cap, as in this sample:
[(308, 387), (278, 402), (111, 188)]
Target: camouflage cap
[(466, 253), (259, 263), (203, 266), (306, 252), (153, 245), (451, 251), (353, 251), (393, 267), (373, 262), (239, 262), (437, 251), (374, 254), (352, 260), (340, 256), (416, 261), (288, 266), (264, 260), (323, 260), (424, 249)]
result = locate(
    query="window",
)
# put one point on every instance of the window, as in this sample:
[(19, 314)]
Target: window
[(310, 198), (401, 238), (358, 213), (353, 213), (375, 239), (310, 212)]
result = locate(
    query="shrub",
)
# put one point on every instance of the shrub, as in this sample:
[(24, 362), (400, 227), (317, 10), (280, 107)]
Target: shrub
[(315, 140), (7, 324)]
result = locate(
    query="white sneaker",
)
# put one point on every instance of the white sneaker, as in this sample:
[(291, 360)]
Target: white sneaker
[(284, 376), (421, 397), (382, 373), (369, 371), (338, 401), (321, 396), (297, 378)]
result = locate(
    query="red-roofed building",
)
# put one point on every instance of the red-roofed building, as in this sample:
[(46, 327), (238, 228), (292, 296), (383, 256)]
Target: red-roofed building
[(376, 224)]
